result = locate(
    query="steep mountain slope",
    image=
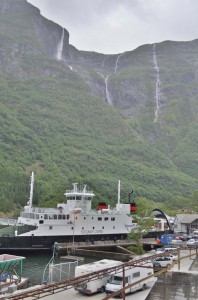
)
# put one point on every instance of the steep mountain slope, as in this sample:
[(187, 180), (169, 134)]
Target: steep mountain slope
[(80, 116)]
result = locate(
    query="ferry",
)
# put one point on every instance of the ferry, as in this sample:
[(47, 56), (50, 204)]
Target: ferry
[(72, 221)]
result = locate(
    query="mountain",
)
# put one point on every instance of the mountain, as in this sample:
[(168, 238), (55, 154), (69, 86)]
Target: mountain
[(78, 116)]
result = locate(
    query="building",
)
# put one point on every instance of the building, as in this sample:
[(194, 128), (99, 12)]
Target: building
[(186, 223)]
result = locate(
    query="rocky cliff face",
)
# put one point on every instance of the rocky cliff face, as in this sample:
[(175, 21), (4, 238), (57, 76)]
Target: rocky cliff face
[(141, 81), (27, 34), (146, 98)]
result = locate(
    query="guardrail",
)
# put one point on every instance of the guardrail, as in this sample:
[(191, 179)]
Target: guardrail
[(5, 221)]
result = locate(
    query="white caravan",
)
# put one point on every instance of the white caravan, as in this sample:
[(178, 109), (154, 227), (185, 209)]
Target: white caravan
[(96, 285), (132, 275)]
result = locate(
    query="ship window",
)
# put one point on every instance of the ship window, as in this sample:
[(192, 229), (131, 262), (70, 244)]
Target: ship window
[(106, 219), (93, 227), (45, 216), (50, 227), (72, 228), (64, 217), (50, 217), (84, 218), (92, 218), (113, 227), (40, 221), (37, 216), (112, 219), (82, 227), (102, 227), (99, 219), (78, 198), (55, 217), (59, 217), (67, 217)]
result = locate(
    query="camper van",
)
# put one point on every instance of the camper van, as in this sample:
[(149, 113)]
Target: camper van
[(97, 285), (132, 275)]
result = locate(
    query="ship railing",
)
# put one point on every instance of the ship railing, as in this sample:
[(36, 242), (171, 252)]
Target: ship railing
[(5, 221), (78, 192)]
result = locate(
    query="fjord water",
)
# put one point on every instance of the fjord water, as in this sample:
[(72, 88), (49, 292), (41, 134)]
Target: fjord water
[(34, 266)]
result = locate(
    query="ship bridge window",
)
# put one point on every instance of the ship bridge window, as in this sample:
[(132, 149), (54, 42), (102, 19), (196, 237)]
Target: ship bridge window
[(45, 216), (88, 198), (99, 219), (55, 217), (113, 219), (37, 216), (60, 217), (67, 217), (78, 198), (106, 219)]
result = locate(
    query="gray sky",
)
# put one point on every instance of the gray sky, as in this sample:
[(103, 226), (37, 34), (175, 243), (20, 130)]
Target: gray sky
[(116, 26)]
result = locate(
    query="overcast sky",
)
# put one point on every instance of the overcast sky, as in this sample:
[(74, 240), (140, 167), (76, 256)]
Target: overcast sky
[(116, 26)]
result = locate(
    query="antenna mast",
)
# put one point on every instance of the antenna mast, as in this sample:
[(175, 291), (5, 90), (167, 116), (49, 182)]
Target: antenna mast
[(118, 191), (31, 189)]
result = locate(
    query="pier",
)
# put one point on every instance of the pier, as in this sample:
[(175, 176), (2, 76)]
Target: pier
[(116, 250)]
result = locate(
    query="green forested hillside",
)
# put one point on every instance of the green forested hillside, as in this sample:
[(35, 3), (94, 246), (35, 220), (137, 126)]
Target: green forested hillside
[(55, 121)]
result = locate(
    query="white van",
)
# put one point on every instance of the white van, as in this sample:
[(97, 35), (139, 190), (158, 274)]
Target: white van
[(97, 285), (132, 275)]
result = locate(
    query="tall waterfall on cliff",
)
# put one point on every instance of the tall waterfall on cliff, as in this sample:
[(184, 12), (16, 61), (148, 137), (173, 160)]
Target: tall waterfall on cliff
[(60, 47), (108, 97), (117, 61), (157, 85)]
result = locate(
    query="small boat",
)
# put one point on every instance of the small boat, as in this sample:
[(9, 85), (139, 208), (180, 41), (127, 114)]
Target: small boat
[(39, 228)]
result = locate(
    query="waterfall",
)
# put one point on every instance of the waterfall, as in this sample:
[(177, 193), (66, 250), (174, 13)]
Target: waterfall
[(157, 85), (117, 60), (60, 47), (106, 79), (108, 97)]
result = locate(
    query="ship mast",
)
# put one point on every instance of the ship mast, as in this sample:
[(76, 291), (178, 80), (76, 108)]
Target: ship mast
[(118, 191), (31, 189)]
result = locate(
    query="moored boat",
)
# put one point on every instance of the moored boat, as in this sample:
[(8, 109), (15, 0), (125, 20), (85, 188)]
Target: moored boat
[(40, 228)]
